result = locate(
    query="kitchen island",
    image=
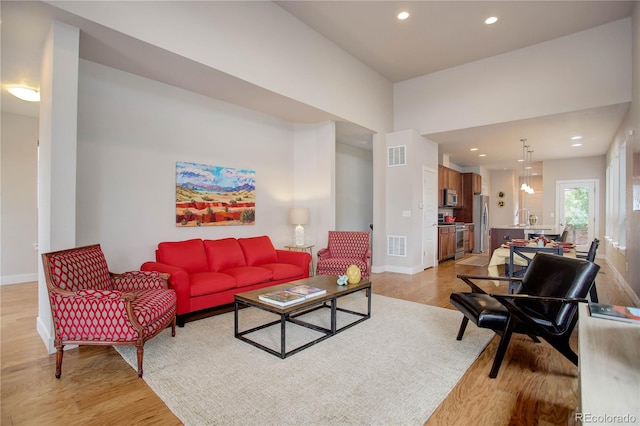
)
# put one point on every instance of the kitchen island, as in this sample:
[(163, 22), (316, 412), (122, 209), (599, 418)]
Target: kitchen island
[(501, 234)]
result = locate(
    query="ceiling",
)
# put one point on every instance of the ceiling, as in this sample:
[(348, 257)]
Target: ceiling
[(437, 35)]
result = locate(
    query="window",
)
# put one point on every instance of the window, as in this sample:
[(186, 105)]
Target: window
[(617, 196)]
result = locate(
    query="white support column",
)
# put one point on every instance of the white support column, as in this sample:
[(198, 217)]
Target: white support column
[(57, 156)]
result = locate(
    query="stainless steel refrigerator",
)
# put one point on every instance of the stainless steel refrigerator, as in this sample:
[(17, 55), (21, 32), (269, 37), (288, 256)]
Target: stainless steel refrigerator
[(481, 224)]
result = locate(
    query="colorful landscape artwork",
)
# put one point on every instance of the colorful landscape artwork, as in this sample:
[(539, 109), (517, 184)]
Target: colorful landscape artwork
[(214, 196)]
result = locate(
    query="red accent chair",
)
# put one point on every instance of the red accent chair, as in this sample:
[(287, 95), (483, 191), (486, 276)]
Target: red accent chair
[(345, 248), (92, 306)]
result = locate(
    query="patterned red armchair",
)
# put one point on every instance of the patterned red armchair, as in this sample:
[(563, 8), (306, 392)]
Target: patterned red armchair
[(92, 306), (345, 248)]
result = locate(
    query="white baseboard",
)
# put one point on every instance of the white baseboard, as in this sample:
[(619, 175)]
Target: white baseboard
[(397, 269), (624, 284), (45, 334), (18, 279)]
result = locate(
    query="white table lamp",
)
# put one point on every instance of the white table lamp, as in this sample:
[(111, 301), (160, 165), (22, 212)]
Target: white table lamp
[(299, 217)]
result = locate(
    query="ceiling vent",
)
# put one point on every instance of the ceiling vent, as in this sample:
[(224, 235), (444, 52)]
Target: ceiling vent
[(396, 245), (397, 156)]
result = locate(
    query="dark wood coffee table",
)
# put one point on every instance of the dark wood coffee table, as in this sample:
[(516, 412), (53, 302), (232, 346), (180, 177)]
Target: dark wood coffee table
[(291, 313)]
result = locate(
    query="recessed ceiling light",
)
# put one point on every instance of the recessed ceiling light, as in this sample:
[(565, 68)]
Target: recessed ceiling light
[(482, 155), (520, 161), (473, 149), (576, 144), (491, 20), (574, 138), (403, 15), (25, 93)]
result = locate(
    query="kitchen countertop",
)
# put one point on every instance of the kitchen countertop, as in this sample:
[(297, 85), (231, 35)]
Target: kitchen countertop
[(549, 229)]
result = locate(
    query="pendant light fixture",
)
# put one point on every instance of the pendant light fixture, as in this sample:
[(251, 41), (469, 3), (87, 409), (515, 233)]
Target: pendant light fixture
[(530, 184), (527, 155), (523, 187)]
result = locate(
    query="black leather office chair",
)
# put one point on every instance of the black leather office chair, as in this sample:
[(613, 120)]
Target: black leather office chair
[(545, 305)]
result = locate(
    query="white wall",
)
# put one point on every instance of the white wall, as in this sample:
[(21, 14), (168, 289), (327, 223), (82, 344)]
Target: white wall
[(18, 211), (354, 188), (258, 42), (573, 169), (506, 182), (403, 196), (314, 178), (132, 131), (583, 70), (626, 265)]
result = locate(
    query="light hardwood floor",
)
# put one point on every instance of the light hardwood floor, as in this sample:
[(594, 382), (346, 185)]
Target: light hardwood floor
[(535, 386)]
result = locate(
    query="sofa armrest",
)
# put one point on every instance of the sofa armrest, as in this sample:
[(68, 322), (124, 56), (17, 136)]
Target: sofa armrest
[(178, 280), (298, 258)]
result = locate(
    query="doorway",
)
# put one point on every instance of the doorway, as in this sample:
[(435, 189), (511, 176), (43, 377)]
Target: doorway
[(576, 205)]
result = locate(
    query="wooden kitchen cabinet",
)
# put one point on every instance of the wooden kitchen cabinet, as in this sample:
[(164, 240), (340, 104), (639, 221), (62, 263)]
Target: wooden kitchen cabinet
[(446, 242), (476, 184), (468, 238), (449, 179)]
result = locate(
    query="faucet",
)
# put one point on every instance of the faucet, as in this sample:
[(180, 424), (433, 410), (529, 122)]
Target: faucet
[(526, 218)]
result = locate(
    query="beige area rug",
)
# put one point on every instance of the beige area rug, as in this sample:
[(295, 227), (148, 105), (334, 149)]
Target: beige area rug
[(479, 260), (392, 369)]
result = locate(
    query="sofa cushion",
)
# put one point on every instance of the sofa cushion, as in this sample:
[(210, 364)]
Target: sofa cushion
[(248, 275), (223, 254), (258, 250), (188, 255), (282, 271), (210, 282)]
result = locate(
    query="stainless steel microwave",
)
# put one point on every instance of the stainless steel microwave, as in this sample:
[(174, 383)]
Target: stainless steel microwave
[(450, 197)]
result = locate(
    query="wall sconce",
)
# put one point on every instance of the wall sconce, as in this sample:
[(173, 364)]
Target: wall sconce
[(299, 217)]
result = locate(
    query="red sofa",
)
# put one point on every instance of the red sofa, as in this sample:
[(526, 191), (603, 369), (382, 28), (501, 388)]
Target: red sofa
[(207, 273)]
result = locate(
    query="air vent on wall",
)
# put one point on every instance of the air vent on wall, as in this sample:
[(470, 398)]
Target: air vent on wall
[(396, 245), (397, 156)]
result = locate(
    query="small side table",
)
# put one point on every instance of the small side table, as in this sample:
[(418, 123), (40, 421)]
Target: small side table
[(308, 248)]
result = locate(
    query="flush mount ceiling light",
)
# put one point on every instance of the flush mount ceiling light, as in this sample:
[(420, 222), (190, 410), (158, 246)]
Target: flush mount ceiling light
[(574, 138), (473, 149), (403, 15), (491, 20), (482, 155), (25, 93), (576, 144)]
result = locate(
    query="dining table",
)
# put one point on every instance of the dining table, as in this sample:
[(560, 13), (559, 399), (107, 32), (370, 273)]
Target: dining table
[(500, 256)]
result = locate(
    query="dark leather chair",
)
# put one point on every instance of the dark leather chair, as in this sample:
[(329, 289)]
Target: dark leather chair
[(591, 257), (524, 253), (545, 305)]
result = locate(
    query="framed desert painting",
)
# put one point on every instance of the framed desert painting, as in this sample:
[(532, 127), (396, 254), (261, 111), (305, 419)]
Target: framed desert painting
[(214, 195)]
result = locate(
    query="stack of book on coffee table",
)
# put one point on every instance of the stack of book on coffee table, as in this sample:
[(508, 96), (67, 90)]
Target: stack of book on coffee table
[(292, 295)]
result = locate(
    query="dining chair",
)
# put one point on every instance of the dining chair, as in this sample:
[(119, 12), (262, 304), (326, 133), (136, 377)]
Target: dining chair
[(544, 306), (552, 237), (524, 254), (591, 257)]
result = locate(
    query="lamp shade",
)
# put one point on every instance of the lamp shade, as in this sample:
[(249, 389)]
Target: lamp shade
[(299, 216)]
